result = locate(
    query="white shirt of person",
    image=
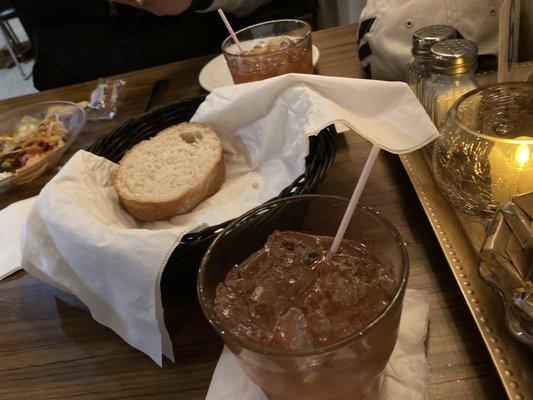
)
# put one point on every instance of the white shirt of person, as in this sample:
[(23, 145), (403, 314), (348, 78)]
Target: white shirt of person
[(386, 28)]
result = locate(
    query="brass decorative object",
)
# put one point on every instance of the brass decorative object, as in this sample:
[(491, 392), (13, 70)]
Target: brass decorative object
[(507, 263)]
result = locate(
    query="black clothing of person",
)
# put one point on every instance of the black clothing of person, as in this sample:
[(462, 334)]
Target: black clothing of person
[(81, 40)]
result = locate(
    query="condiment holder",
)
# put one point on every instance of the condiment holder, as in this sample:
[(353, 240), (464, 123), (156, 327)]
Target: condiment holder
[(418, 69)]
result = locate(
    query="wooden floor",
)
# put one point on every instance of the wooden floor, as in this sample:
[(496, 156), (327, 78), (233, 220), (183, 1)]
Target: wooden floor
[(50, 347)]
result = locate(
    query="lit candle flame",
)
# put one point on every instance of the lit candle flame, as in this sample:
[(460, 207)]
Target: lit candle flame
[(522, 155), (511, 168)]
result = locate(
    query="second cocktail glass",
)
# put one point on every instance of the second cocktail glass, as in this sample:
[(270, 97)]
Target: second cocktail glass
[(269, 49)]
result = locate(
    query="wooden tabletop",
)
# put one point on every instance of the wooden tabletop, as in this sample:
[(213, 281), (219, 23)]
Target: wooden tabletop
[(50, 347)]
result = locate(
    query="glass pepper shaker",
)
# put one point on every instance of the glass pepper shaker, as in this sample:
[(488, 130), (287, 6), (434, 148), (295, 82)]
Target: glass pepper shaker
[(418, 68), (452, 66)]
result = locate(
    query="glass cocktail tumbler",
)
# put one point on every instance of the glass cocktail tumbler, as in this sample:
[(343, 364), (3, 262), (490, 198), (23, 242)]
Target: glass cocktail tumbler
[(271, 49), (342, 370)]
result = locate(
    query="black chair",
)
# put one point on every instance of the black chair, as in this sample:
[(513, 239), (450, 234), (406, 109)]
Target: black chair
[(17, 50)]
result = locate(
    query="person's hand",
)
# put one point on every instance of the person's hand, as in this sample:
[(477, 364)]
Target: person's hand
[(159, 7)]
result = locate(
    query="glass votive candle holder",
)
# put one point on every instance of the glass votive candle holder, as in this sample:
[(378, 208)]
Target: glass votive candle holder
[(484, 155), (344, 369)]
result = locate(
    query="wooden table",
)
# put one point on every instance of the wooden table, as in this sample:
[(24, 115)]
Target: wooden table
[(51, 348)]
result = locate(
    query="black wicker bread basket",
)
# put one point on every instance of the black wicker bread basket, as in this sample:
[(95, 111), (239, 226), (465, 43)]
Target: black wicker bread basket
[(189, 252)]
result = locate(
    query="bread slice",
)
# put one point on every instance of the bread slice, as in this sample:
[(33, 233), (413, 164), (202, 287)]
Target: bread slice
[(171, 173)]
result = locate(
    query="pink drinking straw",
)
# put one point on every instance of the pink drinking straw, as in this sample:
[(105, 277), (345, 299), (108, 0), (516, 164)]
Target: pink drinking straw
[(361, 183), (230, 29)]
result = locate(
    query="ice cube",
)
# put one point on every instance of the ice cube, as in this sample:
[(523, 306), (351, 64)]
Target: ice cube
[(320, 325), (386, 280), (264, 314), (278, 287), (297, 250), (251, 266), (292, 331), (312, 297)]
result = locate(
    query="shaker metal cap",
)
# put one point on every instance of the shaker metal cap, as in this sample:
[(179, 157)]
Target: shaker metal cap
[(427, 36), (453, 56)]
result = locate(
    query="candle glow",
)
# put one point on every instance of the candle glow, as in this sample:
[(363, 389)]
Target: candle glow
[(511, 170), (522, 155)]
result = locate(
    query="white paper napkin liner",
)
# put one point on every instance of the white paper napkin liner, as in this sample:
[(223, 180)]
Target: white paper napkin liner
[(405, 376), (386, 113), (12, 220), (120, 281), (101, 312)]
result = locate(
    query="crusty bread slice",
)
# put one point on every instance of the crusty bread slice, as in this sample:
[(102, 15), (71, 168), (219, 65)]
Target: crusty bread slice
[(171, 173)]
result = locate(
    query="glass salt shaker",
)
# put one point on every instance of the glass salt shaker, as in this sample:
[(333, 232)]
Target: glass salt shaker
[(418, 68), (452, 66)]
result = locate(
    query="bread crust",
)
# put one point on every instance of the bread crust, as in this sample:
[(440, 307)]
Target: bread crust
[(162, 210)]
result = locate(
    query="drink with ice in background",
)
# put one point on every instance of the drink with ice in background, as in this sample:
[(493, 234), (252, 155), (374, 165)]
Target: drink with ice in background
[(269, 49)]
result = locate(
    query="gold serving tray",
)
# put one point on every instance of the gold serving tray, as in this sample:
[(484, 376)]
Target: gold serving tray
[(460, 237)]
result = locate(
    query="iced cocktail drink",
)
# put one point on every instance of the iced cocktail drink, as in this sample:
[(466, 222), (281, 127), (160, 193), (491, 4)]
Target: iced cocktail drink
[(300, 325), (269, 49), (288, 295)]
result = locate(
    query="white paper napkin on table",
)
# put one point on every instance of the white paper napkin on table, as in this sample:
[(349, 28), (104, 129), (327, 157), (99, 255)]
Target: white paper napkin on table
[(80, 239), (404, 377), (12, 220)]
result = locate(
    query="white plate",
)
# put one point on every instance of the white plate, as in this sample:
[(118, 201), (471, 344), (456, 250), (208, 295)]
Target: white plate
[(216, 74)]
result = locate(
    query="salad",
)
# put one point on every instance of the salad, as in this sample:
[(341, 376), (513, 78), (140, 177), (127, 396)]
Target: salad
[(33, 140)]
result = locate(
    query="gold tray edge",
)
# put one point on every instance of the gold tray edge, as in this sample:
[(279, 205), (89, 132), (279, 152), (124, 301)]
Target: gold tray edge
[(463, 261)]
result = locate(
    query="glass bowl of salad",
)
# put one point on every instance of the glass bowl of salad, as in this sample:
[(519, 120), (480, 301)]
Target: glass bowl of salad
[(33, 138)]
